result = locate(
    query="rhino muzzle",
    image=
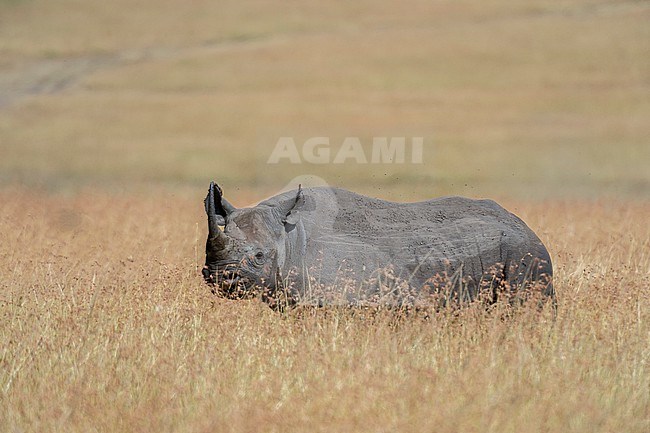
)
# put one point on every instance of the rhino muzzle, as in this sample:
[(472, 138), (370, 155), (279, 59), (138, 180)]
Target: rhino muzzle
[(228, 281)]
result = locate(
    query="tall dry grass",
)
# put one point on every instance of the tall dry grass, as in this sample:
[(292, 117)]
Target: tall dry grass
[(105, 325)]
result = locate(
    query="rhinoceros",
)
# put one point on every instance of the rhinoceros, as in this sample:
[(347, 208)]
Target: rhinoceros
[(329, 246)]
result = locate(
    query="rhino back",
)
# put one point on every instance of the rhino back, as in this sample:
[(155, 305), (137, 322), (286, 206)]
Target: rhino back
[(347, 233)]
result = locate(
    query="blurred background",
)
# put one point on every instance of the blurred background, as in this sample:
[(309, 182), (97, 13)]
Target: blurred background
[(528, 100)]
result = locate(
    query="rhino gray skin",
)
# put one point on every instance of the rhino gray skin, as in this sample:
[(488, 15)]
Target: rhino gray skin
[(324, 246)]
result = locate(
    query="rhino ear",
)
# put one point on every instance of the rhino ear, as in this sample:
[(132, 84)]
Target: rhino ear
[(292, 214)]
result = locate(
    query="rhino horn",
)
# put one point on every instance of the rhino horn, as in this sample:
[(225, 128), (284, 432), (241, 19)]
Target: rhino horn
[(216, 236), (226, 207)]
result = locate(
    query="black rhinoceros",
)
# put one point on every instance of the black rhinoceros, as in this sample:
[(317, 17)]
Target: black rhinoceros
[(329, 246)]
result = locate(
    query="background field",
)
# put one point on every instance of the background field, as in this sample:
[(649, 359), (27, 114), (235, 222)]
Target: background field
[(115, 115), (515, 98)]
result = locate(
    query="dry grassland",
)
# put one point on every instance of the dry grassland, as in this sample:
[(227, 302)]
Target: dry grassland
[(106, 325), (115, 115)]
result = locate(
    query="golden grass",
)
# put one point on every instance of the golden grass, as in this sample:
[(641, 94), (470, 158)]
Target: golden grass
[(105, 325)]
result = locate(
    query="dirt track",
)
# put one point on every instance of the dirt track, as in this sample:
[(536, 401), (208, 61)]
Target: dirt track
[(49, 76)]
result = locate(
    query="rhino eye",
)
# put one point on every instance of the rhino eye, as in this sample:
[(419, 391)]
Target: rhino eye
[(259, 257)]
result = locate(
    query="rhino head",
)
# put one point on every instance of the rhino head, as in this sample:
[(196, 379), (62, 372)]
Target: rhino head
[(245, 257)]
